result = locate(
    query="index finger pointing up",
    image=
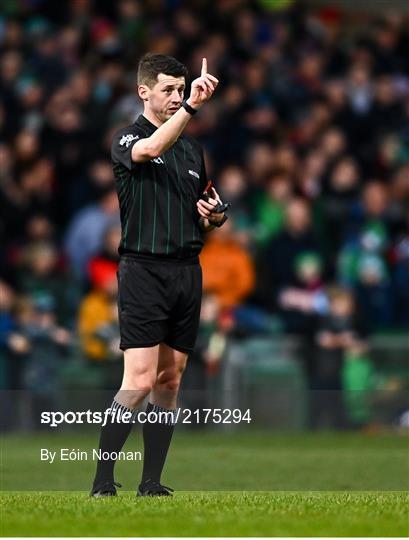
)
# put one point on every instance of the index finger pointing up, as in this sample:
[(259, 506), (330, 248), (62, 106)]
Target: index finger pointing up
[(204, 67)]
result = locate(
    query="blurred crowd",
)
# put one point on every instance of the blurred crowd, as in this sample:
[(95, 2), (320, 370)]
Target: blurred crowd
[(307, 138)]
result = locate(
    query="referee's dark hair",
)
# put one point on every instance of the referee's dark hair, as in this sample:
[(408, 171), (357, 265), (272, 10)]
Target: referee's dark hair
[(151, 64)]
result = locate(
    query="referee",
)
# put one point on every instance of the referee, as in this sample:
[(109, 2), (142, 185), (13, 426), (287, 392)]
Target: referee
[(160, 176)]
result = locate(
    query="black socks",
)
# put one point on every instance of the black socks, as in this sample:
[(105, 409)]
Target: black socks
[(157, 435), (156, 439), (113, 437)]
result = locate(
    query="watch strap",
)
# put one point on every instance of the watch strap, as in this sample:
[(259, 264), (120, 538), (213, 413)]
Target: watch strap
[(188, 108)]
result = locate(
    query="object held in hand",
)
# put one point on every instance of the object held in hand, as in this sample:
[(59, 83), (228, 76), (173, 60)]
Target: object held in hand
[(221, 207)]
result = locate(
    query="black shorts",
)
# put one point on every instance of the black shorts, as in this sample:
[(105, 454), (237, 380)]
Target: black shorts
[(159, 302)]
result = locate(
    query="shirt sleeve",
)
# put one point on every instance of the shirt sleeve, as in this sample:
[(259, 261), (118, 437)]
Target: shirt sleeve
[(122, 143)]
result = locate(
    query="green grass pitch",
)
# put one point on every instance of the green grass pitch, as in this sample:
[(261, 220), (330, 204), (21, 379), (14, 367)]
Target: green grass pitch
[(241, 484)]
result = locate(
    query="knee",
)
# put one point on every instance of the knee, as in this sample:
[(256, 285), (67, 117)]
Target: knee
[(172, 385), (132, 395), (129, 398), (139, 384), (170, 379)]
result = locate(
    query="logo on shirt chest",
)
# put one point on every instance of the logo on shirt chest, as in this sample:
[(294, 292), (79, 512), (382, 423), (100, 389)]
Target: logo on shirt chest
[(194, 173)]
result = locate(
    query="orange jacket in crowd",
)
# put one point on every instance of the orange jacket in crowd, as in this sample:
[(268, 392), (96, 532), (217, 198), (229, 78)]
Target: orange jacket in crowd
[(95, 310), (98, 307), (228, 270)]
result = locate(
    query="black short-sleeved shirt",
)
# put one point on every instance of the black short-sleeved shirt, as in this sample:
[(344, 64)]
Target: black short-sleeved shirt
[(157, 198)]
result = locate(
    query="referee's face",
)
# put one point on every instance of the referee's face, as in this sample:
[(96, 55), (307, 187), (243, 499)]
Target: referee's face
[(165, 98)]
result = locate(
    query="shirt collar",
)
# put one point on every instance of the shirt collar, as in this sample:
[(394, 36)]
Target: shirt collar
[(143, 121)]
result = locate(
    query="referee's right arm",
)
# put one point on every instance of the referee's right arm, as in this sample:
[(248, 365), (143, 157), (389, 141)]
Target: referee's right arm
[(167, 134), (162, 139)]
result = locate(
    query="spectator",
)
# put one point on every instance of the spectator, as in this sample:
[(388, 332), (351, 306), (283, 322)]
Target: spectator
[(374, 292), (108, 258), (270, 207), (232, 187), (337, 332), (39, 230), (400, 258), (40, 276), (88, 187), (98, 318), (228, 270), (86, 231), (14, 347), (341, 191), (278, 260), (32, 193), (373, 208), (310, 174), (300, 304), (333, 144), (49, 346)]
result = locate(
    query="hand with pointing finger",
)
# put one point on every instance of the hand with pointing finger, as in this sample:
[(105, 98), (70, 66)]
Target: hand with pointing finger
[(202, 88)]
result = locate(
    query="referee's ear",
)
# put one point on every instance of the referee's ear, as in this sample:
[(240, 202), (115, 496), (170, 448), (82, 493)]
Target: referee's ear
[(143, 92)]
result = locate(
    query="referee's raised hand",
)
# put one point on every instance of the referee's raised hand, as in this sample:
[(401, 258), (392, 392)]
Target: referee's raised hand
[(202, 88)]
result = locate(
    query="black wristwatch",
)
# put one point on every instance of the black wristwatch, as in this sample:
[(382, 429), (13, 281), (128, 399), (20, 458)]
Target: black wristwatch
[(218, 223), (188, 108)]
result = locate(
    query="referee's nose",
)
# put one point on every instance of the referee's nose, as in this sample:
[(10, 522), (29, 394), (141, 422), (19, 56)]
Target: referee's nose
[(176, 97)]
